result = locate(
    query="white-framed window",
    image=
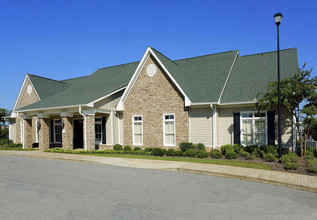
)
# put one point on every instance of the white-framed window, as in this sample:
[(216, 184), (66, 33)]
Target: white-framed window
[(57, 134), (98, 130), (169, 129), (253, 128), (137, 129)]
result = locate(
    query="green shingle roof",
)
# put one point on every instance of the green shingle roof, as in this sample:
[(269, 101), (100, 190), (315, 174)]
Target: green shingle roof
[(250, 74), (201, 78), (46, 87)]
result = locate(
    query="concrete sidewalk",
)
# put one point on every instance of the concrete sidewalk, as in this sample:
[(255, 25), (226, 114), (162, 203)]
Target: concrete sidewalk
[(297, 181)]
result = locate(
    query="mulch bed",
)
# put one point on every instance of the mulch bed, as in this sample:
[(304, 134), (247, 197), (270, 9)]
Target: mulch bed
[(280, 167)]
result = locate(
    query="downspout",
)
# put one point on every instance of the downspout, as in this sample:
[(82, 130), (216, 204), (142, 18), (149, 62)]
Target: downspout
[(214, 126), (111, 114), (85, 138), (114, 111)]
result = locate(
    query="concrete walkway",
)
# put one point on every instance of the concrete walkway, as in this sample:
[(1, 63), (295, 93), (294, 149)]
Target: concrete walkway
[(297, 181)]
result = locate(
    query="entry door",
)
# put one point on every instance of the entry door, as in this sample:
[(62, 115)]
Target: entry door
[(78, 134)]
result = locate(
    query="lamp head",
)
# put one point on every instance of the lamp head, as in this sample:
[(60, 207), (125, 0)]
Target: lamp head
[(278, 18)]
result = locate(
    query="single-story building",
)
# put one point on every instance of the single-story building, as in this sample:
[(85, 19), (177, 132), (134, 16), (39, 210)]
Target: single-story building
[(156, 102)]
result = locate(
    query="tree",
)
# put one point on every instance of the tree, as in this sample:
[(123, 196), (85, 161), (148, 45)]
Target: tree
[(309, 122), (297, 93), (3, 130)]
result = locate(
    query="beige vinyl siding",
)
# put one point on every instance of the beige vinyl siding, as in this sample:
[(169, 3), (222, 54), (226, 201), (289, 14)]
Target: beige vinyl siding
[(108, 130), (110, 102), (201, 126), (12, 132), (225, 132), (115, 129), (121, 128), (287, 129)]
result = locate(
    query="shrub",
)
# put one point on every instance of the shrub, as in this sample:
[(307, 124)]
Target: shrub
[(309, 156), (184, 146), (245, 155), (269, 157), (291, 161), (202, 154), (6, 142), (272, 150), (127, 148), (308, 149), (148, 149), (237, 148), (137, 149), (200, 147), (291, 166), (231, 154), (253, 156), (171, 152), (179, 153), (253, 149), (215, 154), (158, 151), (138, 152), (190, 153), (312, 166), (225, 148), (117, 147)]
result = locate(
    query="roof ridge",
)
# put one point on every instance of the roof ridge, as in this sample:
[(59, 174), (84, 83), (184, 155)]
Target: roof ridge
[(274, 51), (206, 55), (116, 65), (228, 76), (163, 55), (46, 78), (74, 78)]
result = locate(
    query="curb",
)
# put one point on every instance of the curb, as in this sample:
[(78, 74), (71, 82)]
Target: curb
[(253, 179)]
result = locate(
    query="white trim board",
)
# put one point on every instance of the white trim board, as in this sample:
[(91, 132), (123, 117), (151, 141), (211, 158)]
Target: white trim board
[(148, 52)]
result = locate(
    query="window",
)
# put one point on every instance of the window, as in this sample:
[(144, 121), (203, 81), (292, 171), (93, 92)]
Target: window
[(137, 130), (253, 129), (57, 131), (98, 131), (169, 129)]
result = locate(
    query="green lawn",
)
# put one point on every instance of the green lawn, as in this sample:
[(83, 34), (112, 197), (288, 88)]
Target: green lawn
[(184, 159), (16, 148)]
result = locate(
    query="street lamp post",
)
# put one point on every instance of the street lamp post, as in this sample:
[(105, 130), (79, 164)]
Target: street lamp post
[(278, 18)]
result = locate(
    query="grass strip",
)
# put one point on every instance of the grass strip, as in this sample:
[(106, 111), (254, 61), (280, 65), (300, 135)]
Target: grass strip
[(182, 159), (16, 149)]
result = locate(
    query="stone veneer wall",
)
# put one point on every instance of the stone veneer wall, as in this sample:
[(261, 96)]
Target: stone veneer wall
[(67, 136), (152, 97), (44, 133), (27, 133), (18, 131), (90, 132)]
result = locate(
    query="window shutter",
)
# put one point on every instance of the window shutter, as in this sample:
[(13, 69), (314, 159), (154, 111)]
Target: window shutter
[(103, 127), (270, 128), (52, 130), (236, 128)]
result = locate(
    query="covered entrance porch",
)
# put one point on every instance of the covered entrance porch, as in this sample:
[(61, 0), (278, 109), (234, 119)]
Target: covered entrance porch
[(82, 129)]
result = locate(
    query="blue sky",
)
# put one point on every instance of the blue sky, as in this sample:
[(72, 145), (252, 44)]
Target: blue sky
[(66, 39)]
